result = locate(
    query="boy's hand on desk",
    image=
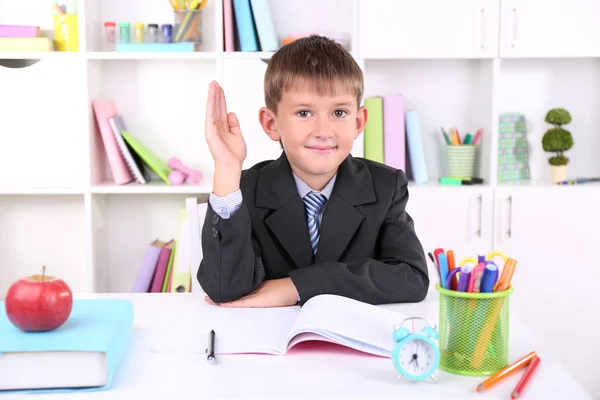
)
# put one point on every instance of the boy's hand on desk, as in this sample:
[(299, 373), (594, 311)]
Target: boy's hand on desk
[(271, 293)]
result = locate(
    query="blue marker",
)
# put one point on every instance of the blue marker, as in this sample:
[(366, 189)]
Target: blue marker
[(489, 278), (443, 259)]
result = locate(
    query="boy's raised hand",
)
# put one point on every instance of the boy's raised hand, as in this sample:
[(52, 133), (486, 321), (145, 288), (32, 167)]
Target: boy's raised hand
[(222, 130)]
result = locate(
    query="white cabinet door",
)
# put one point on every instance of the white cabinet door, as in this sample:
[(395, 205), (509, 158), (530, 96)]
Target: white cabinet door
[(550, 28), (552, 233), (428, 28), (455, 218)]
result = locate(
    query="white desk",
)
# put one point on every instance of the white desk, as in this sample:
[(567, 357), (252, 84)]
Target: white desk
[(301, 375)]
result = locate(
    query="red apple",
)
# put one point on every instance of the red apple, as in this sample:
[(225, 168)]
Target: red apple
[(38, 303)]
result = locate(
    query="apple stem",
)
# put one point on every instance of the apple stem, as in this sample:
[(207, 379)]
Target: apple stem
[(43, 273)]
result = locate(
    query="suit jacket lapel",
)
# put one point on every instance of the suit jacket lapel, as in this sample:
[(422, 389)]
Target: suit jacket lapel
[(276, 190), (353, 186)]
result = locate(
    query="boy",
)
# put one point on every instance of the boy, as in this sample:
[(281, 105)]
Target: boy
[(316, 220)]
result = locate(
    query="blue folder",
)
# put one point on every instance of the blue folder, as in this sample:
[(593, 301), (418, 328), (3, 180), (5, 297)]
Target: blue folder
[(99, 325)]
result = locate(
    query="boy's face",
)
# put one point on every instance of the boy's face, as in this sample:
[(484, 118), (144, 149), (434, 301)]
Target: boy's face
[(317, 132)]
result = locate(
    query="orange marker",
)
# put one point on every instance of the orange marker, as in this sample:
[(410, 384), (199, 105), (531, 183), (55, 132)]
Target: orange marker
[(505, 372), (506, 276)]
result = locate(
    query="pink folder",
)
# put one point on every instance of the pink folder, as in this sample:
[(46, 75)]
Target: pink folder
[(104, 109), (228, 25), (394, 131)]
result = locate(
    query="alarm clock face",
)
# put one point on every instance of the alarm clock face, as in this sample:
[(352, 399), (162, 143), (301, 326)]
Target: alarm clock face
[(416, 357)]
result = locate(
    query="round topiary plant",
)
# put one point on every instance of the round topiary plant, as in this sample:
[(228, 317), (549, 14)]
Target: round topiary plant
[(557, 140)]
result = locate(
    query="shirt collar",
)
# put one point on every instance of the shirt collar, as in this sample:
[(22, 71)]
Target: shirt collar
[(304, 189)]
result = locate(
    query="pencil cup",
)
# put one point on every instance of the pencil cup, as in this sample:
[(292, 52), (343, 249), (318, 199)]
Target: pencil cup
[(66, 35), (473, 331), (188, 26), (461, 159)]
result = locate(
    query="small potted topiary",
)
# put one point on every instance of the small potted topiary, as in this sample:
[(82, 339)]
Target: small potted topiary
[(558, 140)]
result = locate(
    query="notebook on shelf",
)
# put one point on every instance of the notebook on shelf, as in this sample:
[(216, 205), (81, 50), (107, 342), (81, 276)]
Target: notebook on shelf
[(325, 318), (83, 354), (132, 159)]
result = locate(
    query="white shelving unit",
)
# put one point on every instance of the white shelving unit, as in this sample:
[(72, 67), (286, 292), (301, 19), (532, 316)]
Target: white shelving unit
[(459, 63)]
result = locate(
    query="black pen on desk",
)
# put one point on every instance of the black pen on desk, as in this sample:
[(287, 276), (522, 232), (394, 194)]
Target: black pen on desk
[(211, 347)]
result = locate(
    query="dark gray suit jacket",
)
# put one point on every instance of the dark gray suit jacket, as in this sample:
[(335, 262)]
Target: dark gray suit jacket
[(368, 249)]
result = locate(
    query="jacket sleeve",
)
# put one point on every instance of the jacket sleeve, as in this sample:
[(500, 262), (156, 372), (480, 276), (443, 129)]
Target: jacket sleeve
[(397, 273), (231, 266)]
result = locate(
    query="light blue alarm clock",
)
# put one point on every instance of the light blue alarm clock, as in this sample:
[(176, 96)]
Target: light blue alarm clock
[(416, 355)]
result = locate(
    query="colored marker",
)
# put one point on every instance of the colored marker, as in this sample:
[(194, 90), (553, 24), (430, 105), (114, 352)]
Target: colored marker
[(476, 276), (443, 268), (489, 278), (507, 274), (463, 280)]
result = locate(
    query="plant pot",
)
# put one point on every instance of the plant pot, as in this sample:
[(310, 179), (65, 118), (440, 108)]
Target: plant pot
[(559, 173)]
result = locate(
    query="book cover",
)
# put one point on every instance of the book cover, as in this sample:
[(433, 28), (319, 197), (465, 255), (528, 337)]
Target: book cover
[(95, 328), (103, 110), (161, 267), (415, 148), (147, 268), (245, 25), (261, 11), (394, 128), (373, 132), (132, 159), (155, 163)]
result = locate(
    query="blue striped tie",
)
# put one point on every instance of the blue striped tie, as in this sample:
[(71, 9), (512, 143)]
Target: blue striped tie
[(314, 204)]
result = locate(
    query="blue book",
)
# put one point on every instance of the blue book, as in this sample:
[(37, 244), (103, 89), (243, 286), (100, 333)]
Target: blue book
[(81, 355), (245, 25), (416, 150)]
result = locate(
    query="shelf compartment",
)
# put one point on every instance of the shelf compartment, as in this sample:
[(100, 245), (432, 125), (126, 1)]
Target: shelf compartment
[(444, 93), (158, 12), (532, 87), (43, 230), (123, 226), (163, 107)]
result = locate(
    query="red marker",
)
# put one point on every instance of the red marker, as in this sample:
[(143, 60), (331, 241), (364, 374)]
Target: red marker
[(535, 361)]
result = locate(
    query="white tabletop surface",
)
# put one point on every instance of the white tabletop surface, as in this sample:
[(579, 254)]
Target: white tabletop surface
[(304, 374)]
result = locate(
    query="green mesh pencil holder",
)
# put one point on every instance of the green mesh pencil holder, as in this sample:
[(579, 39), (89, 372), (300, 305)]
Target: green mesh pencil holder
[(473, 331)]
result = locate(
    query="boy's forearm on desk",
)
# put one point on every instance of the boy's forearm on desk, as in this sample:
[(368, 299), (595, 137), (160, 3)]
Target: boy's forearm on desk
[(369, 280), (229, 268)]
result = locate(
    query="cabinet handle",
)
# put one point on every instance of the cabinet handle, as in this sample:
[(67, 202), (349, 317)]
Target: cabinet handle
[(483, 28), (509, 230), (480, 200), (515, 27)]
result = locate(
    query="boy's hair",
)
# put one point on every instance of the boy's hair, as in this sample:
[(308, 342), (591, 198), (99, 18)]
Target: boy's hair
[(317, 60)]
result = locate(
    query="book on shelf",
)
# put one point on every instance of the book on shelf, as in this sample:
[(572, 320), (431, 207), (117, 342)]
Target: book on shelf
[(248, 26), (326, 318), (83, 354), (132, 159), (128, 157), (392, 136)]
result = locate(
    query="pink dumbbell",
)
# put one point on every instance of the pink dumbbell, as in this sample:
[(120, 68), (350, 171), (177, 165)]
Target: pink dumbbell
[(192, 174), (177, 177)]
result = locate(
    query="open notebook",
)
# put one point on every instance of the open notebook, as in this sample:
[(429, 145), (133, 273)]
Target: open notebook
[(330, 318)]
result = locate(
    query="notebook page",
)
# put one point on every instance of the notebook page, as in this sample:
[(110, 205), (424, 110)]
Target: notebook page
[(237, 331), (351, 323)]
